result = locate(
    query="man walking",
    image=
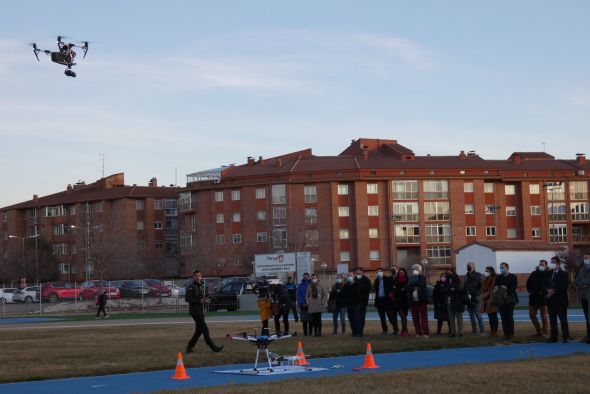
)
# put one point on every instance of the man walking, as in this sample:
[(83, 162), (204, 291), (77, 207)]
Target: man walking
[(557, 300), (101, 303), (472, 286), (197, 300), (536, 285)]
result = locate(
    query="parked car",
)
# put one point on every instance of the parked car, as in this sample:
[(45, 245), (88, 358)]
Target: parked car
[(158, 288), (27, 294), (177, 291), (56, 291), (132, 288), (227, 296), (6, 295), (90, 288)]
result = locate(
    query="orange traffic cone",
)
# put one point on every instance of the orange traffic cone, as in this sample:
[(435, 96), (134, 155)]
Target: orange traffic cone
[(301, 360), (180, 371), (369, 360)]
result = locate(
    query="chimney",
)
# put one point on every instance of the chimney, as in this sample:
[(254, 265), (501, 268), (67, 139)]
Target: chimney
[(35, 197), (462, 155), (581, 158), (153, 182), (516, 159), (365, 152), (250, 161), (260, 160), (280, 162)]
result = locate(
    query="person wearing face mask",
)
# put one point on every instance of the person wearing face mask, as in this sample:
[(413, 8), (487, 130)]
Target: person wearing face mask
[(557, 285), (382, 287), (338, 299), (505, 298), (456, 304), (352, 301), (486, 300), (583, 286), (440, 295), (361, 289), (400, 292), (418, 301), (472, 286), (291, 287), (536, 286), (316, 296), (302, 303)]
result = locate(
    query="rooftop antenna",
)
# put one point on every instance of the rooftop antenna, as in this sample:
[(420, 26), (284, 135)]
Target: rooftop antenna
[(101, 155), (175, 176), (543, 146)]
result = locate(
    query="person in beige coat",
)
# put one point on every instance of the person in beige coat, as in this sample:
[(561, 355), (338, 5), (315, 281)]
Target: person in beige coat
[(316, 298), (486, 300)]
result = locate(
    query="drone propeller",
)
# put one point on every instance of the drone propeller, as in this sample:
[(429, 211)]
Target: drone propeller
[(84, 47), (35, 50)]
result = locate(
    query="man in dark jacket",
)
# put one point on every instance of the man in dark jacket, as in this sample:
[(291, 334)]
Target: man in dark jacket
[(361, 288), (101, 303), (382, 286), (472, 286), (557, 285), (197, 300), (508, 282), (281, 304), (291, 287), (536, 285)]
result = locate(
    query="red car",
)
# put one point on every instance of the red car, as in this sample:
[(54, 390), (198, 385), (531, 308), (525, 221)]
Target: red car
[(56, 291), (158, 288), (91, 287)]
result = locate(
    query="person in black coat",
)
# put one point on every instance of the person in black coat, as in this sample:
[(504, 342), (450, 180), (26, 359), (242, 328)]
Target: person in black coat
[(440, 294), (197, 300), (101, 303), (361, 288), (382, 287), (536, 286), (280, 307), (418, 297), (402, 303), (456, 298), (557, 285), (508, 282), (338, 302), (472, 283)]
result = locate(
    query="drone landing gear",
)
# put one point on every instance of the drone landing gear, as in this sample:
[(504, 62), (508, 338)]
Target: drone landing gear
[(70, 73)]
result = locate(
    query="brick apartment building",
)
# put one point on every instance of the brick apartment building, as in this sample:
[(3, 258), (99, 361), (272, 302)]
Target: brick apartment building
[(104, 229), (377, 204)]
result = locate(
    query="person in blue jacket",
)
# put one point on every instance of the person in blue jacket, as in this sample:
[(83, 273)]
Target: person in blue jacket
[(302, 303)]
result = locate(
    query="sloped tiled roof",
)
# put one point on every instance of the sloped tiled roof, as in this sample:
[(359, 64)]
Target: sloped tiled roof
[(516, 245)]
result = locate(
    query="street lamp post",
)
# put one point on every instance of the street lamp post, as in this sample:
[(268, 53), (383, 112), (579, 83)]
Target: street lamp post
[(23, 251)]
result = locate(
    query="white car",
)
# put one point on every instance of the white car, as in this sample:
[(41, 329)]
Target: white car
[(6, 295), (177, 291), (27, 295)]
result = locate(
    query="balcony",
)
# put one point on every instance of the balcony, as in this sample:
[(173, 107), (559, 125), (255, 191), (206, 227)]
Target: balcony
[(407, 239), (186, 206), (581, 238)]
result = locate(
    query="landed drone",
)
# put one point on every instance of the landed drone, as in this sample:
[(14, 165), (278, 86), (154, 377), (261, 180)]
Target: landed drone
[(65, 56), (262, 342)]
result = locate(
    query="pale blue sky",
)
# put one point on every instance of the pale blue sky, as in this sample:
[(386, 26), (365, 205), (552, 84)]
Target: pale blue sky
[(181, 86)]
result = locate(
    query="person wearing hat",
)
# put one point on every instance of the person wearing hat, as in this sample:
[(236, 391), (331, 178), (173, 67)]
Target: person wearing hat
[(197, 299)]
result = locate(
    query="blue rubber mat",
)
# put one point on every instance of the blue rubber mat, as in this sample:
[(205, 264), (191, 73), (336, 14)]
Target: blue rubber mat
[(22, 320), (146, 382)]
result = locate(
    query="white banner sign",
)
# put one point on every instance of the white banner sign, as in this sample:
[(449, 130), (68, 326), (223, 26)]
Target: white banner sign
[(274, 264)]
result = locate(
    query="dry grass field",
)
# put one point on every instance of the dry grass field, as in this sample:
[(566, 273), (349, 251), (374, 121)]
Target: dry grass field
[(67, 352)]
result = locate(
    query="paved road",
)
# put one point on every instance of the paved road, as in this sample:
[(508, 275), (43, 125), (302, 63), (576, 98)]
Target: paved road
[(206, 377)]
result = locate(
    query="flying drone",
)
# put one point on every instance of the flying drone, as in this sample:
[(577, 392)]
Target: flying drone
[(262, 342), (65, 56)]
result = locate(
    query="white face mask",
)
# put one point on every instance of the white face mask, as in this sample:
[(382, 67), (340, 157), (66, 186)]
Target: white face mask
[(380, 274), (541, 268), (314, 280), (359, 276), (552, 266), (416, 272), (487, 273), (338, 280)]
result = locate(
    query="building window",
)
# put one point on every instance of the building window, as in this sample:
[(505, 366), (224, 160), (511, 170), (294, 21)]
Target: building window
[(140, 225), (311, 216), (260, 194), (511, 233), (60, 249), (235, 195), (374, 255), (407, 233), (279, 216), (492, 209), (555, 191), (373, 233), (194, 222), (260, 216), (488, 187), (438, 210), (343, 211), (579, 190), (436, 189), (237, 217), (469, 209), (159, 245), (405, 190), (171, 207), (558, 233), (557, 211), (373, 210), (536, 232), (344, 233), (309, 193), (535, 210), (262, 237), (311, 238), (219, 218), (579, 210), (534, 188), (406, 211), (510, 190), (510, 211), (139, 205), (158, 204), (237, 239), (439, 254), (60, 229), (220, 239), (372, 188), (438, 233), (468, 187), (141, 244), (157, 225), (219, 196), (279, 194), (279, 238), (345, 256), (491, 231), (470, 231), (342, 190)]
